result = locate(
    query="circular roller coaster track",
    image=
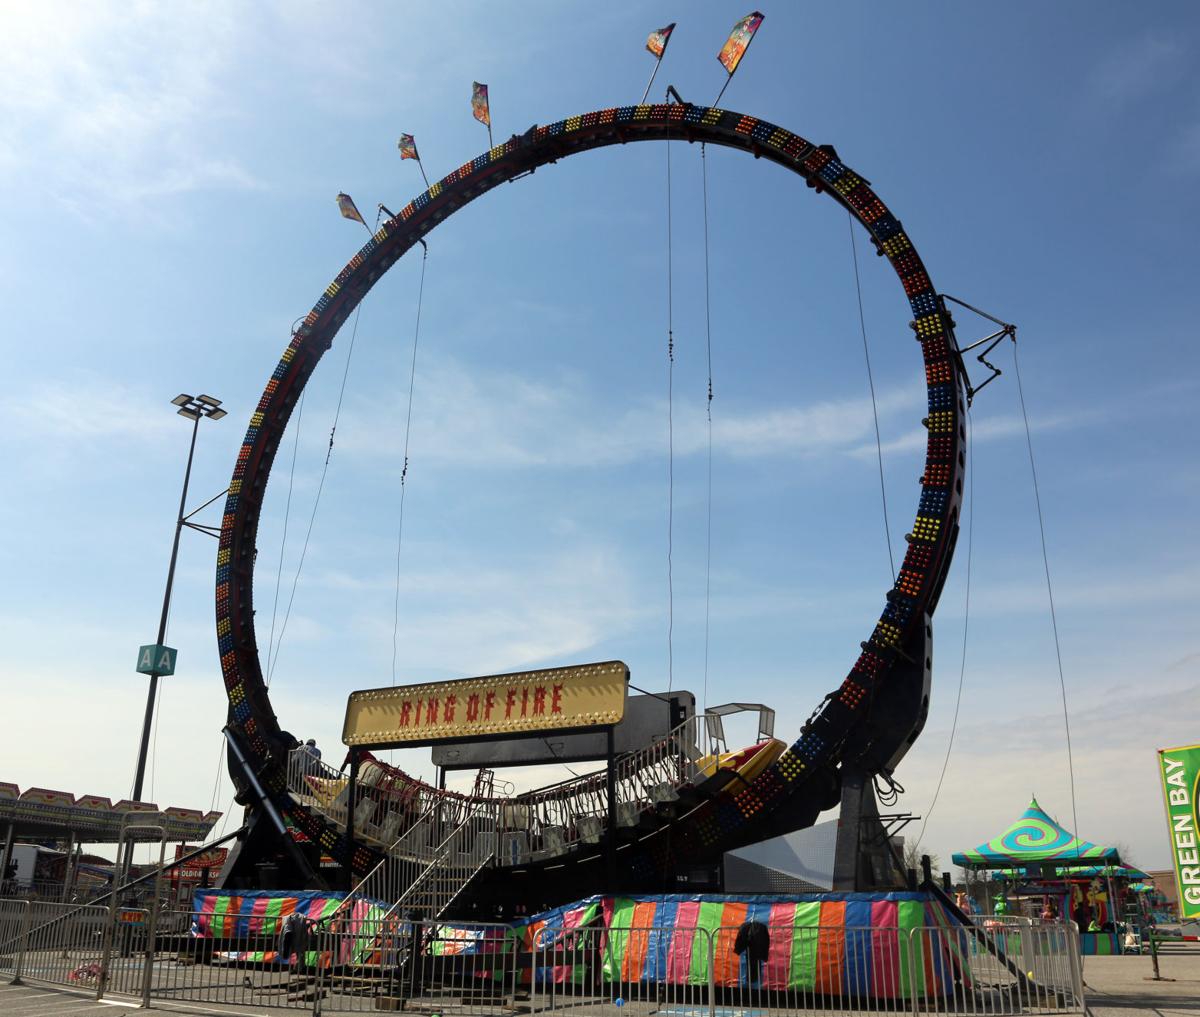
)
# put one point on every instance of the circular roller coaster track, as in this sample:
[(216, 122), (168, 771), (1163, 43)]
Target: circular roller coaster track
[(867, 723)]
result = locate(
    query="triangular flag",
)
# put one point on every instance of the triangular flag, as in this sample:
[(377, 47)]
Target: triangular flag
[(346, 207), (479, 103), (657, 41), (735, 46)]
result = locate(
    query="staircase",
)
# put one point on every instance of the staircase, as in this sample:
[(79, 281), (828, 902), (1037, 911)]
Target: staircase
[(450, 867)]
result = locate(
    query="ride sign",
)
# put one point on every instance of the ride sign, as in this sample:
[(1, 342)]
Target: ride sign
[(156, 659), (559, 699), (1180, 770)]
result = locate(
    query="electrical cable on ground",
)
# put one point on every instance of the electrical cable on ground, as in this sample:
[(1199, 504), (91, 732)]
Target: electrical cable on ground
[(317, 500), (670, 440), (1062, 682), (287, 513), (962, 667), (862, 320), (708, 416), (404, 471)]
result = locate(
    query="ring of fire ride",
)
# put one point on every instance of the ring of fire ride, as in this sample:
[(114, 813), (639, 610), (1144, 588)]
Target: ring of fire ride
[(860, 730)]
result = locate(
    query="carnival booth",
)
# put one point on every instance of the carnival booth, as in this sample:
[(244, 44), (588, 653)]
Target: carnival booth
[(1054, 875)]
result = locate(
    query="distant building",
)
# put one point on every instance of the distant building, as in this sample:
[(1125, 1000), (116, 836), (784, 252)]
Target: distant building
[(1164, 883)]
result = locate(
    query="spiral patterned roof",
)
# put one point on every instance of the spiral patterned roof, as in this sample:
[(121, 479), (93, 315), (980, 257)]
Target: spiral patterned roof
[(1035, 837)]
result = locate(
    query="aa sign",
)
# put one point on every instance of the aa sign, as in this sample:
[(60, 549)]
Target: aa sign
[(157, 659)]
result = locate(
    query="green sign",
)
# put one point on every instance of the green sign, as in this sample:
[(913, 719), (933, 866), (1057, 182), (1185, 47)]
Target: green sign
[(1181, 783), (156, 659)]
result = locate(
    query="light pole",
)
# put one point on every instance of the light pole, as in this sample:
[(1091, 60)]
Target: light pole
[(193, 408)]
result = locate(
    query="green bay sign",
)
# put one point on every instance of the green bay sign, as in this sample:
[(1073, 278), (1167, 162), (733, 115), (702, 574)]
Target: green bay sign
[(1180, 770)]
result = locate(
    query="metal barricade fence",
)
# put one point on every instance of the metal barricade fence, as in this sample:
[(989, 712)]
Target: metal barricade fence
[(388, 963), (259, 960), (1012, 968), (793, 970), (14, 928), (129, 943), (362, 962), (626, 971), (56, 944)]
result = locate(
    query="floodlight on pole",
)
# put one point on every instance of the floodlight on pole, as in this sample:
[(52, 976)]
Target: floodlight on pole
[(193, 408)]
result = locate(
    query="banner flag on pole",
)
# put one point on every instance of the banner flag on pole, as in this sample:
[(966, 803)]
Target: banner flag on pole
[(479, 104), (346, 207), (408, 150), (1180, 772), (657, 42), (735, 46)]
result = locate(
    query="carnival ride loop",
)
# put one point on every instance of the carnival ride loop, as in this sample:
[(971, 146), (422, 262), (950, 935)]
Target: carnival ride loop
[(863, 727)]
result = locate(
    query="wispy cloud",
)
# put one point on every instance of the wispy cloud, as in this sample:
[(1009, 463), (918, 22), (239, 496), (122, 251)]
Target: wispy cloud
[(85, 407), (1005, 763), (457, 618), (1184, 150), (110, 102), (506, 420), (1142, 66), (988, 429)]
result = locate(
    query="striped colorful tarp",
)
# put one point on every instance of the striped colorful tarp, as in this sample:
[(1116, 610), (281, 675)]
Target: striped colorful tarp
[(260, 914), (830, 943), (835, 944), (1035, 837), (1102, 944)]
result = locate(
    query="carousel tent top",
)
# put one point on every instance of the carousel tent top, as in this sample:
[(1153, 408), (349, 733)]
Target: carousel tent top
[(1033, 838)]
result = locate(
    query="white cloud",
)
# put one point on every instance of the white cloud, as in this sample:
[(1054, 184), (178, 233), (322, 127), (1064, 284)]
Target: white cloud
[(506, 420), (1142, 66), (115, 105), (83, 408), (456, 617), (1184, 152), (997, 766)]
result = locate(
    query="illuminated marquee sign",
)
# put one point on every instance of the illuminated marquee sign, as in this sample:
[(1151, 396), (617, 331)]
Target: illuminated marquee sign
[(497, 706), (1180, 769)]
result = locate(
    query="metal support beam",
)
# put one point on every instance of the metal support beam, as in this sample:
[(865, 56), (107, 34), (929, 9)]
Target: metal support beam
[(69, 865), (610, 787), (351, 803), (6, 858), (863, 857)]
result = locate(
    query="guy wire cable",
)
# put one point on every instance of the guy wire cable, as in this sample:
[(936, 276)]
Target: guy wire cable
[(287, 513), (887, 530), (708, 416), (1062, 682), (317, 500), (670, 440), (404, 471)]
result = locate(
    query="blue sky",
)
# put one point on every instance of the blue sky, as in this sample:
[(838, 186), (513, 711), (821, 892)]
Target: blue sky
[(167, 206)]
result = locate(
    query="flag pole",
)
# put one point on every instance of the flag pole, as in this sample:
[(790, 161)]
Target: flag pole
[(491, 144), (651, 81), (723, 87), (422, 169)]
